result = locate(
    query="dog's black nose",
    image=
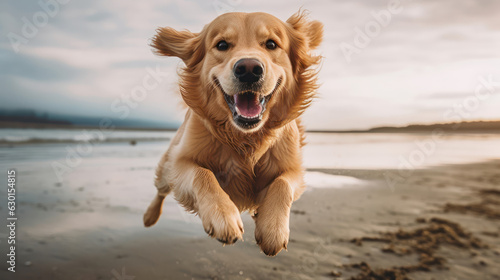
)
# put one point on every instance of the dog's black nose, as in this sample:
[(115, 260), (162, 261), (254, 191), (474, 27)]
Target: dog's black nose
[(248, 70)]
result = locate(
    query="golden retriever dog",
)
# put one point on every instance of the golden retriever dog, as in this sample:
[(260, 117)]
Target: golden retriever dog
[(248, 77)]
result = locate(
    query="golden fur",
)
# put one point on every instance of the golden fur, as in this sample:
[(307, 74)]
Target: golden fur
[(217, 169)]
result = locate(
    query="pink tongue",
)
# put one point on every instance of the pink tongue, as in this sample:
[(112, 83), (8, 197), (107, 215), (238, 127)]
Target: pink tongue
[(248, 104)]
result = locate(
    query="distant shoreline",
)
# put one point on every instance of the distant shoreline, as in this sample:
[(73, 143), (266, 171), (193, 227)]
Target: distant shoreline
[(450, 128), (23, 125), (446, 131), (405, 132)]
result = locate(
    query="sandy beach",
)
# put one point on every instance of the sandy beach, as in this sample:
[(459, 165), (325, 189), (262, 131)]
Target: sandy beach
[(439, 221)]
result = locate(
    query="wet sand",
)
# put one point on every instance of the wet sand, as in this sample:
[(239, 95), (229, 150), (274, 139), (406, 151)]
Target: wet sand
[(438, 223)]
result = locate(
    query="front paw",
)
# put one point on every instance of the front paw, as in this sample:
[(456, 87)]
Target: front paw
[(271, 233), (223, 222)]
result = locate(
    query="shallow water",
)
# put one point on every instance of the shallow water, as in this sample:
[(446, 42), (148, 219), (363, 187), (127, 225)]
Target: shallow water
[(116, 159), (397, 150), (324, 150), (29, 135)]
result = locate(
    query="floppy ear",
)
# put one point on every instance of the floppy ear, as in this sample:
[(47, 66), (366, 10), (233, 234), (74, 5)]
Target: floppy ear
[(313, 30), (304, 36), (170, 42), (315, 34)]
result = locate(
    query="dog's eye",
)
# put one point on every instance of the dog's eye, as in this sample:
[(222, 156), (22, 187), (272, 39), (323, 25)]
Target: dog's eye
[(222, 45), (270, 44)]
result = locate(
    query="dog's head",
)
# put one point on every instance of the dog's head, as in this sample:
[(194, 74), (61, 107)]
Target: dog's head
[(246, 70)]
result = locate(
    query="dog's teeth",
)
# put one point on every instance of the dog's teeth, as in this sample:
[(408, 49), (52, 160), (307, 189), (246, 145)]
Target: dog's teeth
[(250, 118)]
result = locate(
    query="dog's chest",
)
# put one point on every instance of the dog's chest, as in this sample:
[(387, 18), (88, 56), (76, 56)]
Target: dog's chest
[(234, 172), (244, 175)]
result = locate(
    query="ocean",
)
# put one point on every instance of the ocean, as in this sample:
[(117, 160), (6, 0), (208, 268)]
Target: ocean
[(324, 150)]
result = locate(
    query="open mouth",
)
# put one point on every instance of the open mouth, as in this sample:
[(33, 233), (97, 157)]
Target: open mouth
[(247, 107)]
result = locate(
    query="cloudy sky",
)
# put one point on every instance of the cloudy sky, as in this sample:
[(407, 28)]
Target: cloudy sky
[(412, 61)]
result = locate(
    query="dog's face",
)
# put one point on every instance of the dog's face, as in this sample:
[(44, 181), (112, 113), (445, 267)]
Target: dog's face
[(245, 69), (248, 62)]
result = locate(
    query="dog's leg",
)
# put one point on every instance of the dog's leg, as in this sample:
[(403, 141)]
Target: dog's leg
[(197, 189), (273, 215), (164, 188), (161, 181)]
